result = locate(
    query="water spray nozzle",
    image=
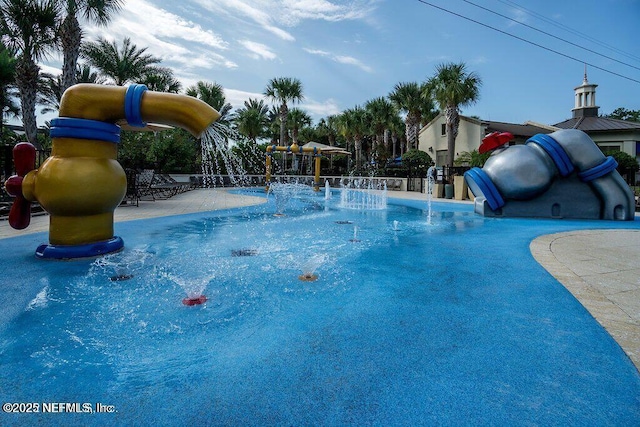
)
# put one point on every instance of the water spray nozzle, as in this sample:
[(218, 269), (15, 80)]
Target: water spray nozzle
[(195, 301)]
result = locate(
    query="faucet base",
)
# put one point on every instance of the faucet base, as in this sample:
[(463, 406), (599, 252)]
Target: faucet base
[(567, 198), (80, 229), (70, 252)]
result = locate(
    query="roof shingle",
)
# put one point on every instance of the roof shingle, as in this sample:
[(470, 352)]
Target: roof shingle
[(595, 124)]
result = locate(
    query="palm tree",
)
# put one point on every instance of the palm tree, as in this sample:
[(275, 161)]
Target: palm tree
[(273, 129), (398, 136), (283, 90), (120, 64), (408, 97), (97, 12), (382, 113), (296, 120), (344, 130), (160, 79), (51, 88), (28, 28), (453, 87), (7, 85), (212, 94), (252, 120), (329, 127), (355, 122), (84, 74), (50, 92)]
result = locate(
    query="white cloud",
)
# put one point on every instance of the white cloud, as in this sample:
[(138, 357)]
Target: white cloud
[(518, 15), (479, 60), (349, 60), (438, 58), (262, 12), (298, 10), (184, 44), (141, 17), (271, 15), (284, 35), (237, 97), (258, 50), (189, 78), (317, 52), (317, 109), (165, 35), (321, 109), (342, 59)]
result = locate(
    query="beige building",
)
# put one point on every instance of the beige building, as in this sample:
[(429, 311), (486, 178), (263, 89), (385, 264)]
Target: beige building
[(433, 136)]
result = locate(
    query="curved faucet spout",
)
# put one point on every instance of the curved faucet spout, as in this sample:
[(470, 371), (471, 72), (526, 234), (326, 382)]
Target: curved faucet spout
[(111, 104)]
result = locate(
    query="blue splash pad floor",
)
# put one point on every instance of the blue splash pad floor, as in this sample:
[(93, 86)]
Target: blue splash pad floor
[(452, 323)]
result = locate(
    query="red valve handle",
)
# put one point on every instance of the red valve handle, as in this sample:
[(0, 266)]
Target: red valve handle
[(494, 140), (24, 158)]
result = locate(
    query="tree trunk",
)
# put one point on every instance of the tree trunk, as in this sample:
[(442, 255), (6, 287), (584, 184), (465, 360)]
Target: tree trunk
[(27, 81), (70, 38), (284, 110), (358, 143), (453, 122), (394, 142), (409, 129), (412, 122)]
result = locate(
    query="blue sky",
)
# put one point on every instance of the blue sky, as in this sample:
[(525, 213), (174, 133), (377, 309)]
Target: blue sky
[(347, 52)]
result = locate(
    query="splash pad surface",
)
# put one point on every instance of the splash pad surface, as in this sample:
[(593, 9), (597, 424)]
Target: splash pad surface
[(451, 322)]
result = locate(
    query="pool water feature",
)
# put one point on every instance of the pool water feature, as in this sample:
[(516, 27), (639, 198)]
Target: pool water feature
[(219, 160), (431, 182), (362, 193), (309, 267), (450, 323), (284, 192)]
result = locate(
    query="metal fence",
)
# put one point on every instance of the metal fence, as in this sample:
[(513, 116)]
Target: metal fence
[(444, 176), (449, 172)]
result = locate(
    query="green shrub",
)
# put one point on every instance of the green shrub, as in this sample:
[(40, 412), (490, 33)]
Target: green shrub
[(417, 162)]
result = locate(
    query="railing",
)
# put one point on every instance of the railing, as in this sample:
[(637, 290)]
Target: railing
[(448, 172), (335, 181)]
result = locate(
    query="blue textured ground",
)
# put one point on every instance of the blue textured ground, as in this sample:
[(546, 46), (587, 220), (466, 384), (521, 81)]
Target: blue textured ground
[(452, 323)]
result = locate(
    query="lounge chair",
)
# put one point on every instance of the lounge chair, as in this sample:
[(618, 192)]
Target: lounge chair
[(165, 187), (144, 180), (132, 188)]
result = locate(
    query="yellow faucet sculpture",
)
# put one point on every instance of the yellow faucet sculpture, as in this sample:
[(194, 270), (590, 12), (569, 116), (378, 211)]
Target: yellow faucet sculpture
[(82, 183)]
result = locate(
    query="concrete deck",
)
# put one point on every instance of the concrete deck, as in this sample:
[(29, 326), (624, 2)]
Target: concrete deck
[(599, 267)]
